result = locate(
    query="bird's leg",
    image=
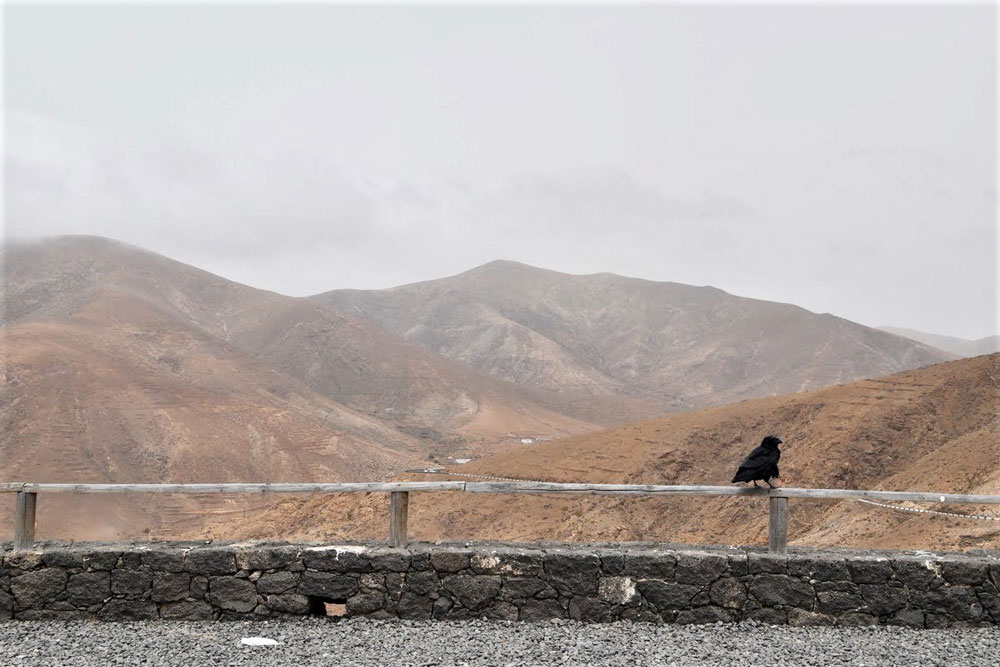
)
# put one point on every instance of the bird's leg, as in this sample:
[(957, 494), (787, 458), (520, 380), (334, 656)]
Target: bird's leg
[(755, 484), (769, 485)]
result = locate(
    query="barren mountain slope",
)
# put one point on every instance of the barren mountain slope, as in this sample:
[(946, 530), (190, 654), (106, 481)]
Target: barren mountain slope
[(120, 392), (599, 336), (936, 428), (961, 347), (450, 406)]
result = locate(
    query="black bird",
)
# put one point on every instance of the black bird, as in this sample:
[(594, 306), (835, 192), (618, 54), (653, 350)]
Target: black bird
[(762, 463)]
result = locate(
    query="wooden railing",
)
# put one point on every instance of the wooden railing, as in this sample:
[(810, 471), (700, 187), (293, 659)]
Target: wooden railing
[(26, 495)]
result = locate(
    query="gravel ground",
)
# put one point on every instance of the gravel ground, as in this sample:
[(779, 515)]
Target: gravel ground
[(303, 643)]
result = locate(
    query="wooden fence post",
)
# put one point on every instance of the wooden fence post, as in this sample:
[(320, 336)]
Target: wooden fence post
[(399, 502), (24, 519), (777, 527)]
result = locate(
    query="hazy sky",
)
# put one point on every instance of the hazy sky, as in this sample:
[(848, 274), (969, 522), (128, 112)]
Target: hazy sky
[(842, 158)]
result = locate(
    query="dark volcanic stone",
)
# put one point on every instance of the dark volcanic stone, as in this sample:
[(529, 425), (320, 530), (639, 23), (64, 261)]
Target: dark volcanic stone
[(910, 618), (766, 564), (500, 611), (420, 562), (839, 586), (649, 565), (837, 602), (131, 583), (186, 611), (450, 561), (422, 583), (936, 621), (35, 587), (589, 610), (170, 586), (276, 582), (414, 607), (522, 588), (958, 602), (365, 603), (821, 569), (100, 559), (66, 558), (612, 562), (6, 605), (266, 558), (738, 565), (232, 594), (211, 561), (472, 591), (22, 560), (640, 616), (130, 560), (700, 569), (989, 597), (332, 560), (328, 585), (916, 574), (87, 588), (857, 619), (164, 560), (540, 610), (391, 560), (728, 592), (667, 595), (883, 600), (774, 589), (199, 587), (441, 607), (289, 603), (966, 573), (573, 573), (869, 571), (128, 610)]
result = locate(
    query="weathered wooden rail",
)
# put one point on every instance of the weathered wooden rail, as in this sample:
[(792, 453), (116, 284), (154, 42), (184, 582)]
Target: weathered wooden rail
[(26, 497)]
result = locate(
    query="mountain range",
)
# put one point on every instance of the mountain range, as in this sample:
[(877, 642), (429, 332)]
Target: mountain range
[(124, 365), (960, 347), (613, 349)]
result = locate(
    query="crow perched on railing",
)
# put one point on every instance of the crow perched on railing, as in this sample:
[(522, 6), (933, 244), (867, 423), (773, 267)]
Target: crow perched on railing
[(762, 463)]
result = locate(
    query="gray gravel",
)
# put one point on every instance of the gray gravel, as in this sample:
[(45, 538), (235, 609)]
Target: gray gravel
[(367, 642)]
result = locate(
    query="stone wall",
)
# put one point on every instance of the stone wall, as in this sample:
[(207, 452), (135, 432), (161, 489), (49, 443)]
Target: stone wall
[(594, 584)]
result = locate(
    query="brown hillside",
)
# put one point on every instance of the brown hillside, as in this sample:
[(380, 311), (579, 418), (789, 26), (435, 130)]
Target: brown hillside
[(449, 407), (612, 349), (119, 392), (931, 429)]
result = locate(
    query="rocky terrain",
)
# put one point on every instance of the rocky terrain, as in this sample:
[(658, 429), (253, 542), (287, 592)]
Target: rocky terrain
[(933, 429), (617, 349)]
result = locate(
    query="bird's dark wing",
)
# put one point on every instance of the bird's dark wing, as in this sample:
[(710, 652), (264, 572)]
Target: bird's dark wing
[(759, 457), (757, 464)]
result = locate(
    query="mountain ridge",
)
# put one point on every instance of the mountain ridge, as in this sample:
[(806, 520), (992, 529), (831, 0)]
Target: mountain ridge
[(627, 337)]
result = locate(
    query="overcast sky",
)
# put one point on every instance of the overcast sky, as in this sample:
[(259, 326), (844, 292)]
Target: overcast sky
[(840, 158)]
